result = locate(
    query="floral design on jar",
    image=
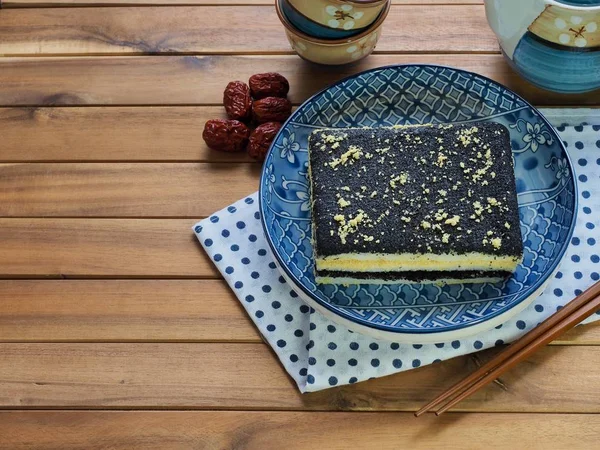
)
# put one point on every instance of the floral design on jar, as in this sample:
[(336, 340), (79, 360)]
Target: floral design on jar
[(297, 46), (574, 32), (343, 16), (363, 47)]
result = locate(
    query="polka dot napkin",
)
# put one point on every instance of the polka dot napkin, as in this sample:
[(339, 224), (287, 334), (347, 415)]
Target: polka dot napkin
[(319, 353)]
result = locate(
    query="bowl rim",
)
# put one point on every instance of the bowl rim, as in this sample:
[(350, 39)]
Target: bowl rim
[(334, 308), (361, 2), (573, 7), (333, 42), (322, 25)]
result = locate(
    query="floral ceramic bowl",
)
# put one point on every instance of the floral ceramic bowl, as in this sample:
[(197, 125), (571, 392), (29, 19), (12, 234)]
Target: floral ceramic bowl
[(315, 29), (554, 44), (332, 52), (340, 15)]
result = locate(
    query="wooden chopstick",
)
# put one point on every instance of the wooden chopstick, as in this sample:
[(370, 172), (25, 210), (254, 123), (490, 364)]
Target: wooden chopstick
[(564, 319)]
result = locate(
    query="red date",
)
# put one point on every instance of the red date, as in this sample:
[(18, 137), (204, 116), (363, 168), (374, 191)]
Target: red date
[(261, 139), (237, 101), (271, 109), (270, 84), (225, 135)]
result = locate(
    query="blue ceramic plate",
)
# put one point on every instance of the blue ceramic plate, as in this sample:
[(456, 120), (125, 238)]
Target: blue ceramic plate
[(418, 94)]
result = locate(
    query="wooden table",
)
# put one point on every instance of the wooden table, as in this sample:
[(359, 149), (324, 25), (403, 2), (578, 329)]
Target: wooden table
[(116, 331)]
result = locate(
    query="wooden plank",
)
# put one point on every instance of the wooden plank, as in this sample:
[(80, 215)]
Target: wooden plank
[(293, 430), (248, 376), (122, 310), (217, 29), (135, 310), (136, 134), (67, 3), (123, 189), (63, 248), (201, 79)]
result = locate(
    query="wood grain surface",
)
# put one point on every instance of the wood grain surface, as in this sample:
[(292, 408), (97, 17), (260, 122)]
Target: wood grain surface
[(107, 300), (193, 80), (121, 430), (67, 3), (124, 310), (136, 134), (224, 29), (219, 376), (123, 189), (143, 310), (80, 248)]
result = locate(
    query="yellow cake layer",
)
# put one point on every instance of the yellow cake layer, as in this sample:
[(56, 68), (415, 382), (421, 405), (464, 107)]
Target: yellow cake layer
[(380, 262)]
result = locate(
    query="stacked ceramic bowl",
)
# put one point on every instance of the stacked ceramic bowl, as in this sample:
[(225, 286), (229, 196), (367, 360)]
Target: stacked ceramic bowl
[(331, 31)]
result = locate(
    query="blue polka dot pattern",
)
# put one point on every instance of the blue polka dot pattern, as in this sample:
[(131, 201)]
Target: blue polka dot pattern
[(234, 240)]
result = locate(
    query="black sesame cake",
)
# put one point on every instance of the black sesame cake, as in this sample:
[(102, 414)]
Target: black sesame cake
[(432, 203)]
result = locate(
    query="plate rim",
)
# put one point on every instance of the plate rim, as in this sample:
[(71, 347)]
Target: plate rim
[(385, 328)]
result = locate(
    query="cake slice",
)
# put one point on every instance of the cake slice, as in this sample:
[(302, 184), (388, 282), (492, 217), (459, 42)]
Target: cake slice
[(431, 198)]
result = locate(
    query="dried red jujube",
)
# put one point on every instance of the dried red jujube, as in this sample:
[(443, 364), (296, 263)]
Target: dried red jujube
[(271, 109), (225, 135), (237, 100), (270, 84), (261, 139)]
